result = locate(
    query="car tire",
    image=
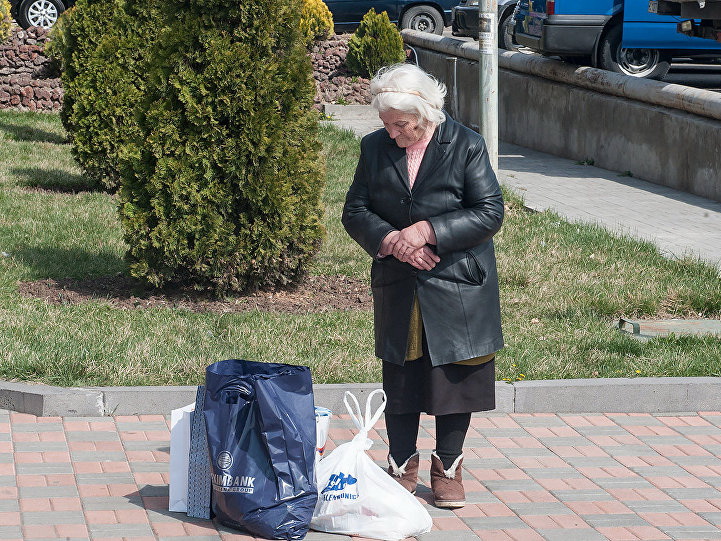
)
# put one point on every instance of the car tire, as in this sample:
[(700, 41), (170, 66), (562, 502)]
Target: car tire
[(43, 13), (505, 33), (646, 63), (423, 18)]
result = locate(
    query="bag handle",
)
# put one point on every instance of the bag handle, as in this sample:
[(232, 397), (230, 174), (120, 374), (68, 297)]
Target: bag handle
[(357, 417)]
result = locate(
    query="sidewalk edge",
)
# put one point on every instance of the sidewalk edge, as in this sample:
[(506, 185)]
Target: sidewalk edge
[(603, 395)]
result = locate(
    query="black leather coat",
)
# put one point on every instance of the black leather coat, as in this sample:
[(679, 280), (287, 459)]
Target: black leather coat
[(457, 191)]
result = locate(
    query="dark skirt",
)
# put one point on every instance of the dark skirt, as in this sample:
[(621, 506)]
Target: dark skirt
[(417, 386)]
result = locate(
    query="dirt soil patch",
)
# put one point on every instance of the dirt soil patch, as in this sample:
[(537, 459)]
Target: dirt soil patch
[(315, 294)]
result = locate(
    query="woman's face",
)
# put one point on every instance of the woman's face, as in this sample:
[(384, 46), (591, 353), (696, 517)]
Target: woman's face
[(403, 128)]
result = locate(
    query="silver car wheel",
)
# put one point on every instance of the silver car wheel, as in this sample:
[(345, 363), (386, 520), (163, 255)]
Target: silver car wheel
[(638, 62), (42, 13)]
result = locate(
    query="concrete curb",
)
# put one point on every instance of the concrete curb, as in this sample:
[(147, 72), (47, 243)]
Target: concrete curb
[(610, 395), (622, 395)]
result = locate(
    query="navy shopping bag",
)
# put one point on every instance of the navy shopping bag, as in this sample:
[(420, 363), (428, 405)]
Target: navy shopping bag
[(260, 421)]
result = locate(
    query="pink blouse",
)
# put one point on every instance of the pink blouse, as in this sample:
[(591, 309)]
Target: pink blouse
[(414, 156)]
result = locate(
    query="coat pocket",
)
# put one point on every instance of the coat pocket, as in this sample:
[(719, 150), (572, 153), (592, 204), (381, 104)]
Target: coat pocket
[(476, 271)]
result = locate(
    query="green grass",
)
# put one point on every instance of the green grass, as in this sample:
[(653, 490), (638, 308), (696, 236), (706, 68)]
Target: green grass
[(340, 255), (563, 286)]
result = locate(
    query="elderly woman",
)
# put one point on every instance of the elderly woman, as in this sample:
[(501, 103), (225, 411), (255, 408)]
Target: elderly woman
[(425, 204)]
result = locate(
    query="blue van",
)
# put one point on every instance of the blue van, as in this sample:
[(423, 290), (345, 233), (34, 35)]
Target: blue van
[(624, 36)]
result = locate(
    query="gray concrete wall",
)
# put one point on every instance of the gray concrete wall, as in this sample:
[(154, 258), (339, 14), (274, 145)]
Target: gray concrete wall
[(664, 133)]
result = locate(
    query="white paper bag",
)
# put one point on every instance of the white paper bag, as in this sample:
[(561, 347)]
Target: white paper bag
[(179, 451), (357, 497)]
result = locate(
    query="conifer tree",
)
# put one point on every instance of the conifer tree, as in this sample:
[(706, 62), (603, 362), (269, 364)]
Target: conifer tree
[(375, 43), (5, 20), (222, 188), (102, 46)]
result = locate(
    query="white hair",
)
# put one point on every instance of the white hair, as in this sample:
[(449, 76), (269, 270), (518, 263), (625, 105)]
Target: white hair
[(409, 89)]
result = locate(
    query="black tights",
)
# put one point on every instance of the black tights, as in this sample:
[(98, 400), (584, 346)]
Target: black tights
[(450, 434)]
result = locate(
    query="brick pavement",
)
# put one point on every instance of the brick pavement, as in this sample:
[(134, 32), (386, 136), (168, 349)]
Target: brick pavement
[(571, 477)]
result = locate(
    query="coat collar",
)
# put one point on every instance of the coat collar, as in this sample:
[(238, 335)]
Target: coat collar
[(432, 158)]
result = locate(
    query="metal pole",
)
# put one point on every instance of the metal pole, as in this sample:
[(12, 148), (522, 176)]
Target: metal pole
[(488, 76), (452, 77)]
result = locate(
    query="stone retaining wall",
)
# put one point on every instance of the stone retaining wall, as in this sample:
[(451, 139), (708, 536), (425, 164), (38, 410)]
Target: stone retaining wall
[(333, 82), (29, 81)]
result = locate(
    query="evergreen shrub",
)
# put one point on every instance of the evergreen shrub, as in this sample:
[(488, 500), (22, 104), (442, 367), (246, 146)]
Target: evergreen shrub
[(5, 20), (375, 43), (101, 46), (222, 189), (316, 20)]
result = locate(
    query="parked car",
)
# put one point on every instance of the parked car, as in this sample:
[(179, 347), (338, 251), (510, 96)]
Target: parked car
[(42, 13), (425, 15), (465, 22), (616, 35)]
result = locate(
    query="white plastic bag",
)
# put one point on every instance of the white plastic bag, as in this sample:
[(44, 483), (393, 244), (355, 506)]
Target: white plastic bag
[(179, 452), (357, 497)]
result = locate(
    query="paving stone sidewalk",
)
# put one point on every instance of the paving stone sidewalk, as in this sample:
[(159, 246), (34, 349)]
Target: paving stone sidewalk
[(554, 477)]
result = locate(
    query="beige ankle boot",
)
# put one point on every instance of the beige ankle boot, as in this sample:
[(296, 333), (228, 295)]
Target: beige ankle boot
[(447, 484), (407, 473)]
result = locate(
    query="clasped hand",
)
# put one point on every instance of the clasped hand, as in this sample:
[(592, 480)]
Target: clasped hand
[(410, 246)]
